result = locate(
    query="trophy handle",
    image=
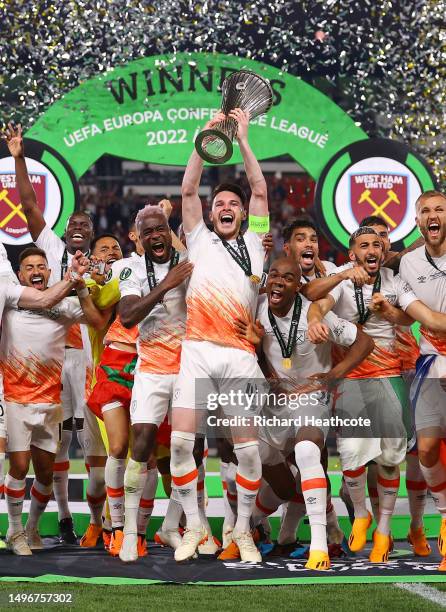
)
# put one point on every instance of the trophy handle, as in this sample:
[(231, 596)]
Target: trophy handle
[(219, 140)]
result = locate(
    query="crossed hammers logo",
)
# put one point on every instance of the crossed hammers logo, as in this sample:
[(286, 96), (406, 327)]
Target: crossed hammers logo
[(15, 210), (378, 209)]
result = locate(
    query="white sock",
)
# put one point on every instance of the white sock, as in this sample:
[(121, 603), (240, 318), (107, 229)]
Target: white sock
[(314, 489), (231, 488), (435, 478), (96, 494), (2, 474), (134, 482), (388, 485), (185, 475), (60, 475), (355, 481), (201, 499), (114, 481), (416, 491), (40, 496), (14, 495), (229, 519), (173, 515), (248, 478), (372, 487), (147, 501)]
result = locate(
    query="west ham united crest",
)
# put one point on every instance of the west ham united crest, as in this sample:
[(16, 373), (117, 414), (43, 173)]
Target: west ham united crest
[(375, 177), (54, 184), (12, 219)]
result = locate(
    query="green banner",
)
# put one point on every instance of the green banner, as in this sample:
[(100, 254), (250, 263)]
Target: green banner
[(151, 110)]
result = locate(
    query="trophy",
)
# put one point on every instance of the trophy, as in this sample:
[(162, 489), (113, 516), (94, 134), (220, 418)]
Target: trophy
[(243, 89)]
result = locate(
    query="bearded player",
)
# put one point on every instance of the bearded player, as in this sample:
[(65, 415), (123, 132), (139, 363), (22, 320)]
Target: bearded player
[(224, 286), (376, 384), (77, 363), (424, 269)]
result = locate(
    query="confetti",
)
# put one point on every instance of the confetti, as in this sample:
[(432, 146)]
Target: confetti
[(384, 61)]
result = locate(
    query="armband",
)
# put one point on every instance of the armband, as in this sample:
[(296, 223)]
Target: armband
[(259, 225)]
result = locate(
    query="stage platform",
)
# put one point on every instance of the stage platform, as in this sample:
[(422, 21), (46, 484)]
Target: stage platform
[(94, 566)]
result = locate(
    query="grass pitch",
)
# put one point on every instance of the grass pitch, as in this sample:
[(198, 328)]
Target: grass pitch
[(333, 598)]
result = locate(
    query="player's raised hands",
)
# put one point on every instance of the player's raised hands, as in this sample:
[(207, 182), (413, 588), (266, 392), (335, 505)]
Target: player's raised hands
[(252, 331), (166, 205), (13, 136), (80, 263), (318, 333), (268, 243), (177, 275), (242, 118), (215, 119)]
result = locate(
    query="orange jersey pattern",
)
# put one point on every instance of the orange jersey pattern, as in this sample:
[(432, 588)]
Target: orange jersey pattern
[(407, 348), (160, 353), (74, 337), (27, 380), (211, 313), (381, 363), (118, 333), (437, 340)]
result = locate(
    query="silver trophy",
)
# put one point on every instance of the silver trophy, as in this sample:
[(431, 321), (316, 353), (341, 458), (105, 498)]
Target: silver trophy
[(243, 89)]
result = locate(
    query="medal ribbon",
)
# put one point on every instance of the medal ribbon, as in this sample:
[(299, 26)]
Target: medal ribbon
[(151, 279), (241, 257), (287, 349), (359, 297), (432, 262)]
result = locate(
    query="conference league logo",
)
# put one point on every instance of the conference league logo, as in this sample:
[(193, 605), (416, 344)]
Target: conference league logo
[(54, 185), (371, 177)]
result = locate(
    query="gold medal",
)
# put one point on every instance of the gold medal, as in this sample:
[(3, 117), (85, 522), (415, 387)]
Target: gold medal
[(254, 279), (286, 362)]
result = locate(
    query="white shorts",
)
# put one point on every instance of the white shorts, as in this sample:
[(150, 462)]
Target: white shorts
[(428, 395), (2, 410), (151, 397), (74, 384), (33, 425), (209, 370), (380, 400), (93, 443)]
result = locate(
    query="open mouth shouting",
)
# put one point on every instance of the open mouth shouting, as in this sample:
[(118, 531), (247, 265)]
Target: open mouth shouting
[(37, 281), (158, 249), (77, 237), (372, 263), (307, 259), (433, 229), (275, 296), (227, 219)]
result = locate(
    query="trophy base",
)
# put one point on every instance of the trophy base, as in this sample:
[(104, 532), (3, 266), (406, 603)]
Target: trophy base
[(213, 146)]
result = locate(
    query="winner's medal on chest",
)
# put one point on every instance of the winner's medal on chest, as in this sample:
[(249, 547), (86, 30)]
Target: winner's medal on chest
[(288, 347), (241, 257), (150, 270)]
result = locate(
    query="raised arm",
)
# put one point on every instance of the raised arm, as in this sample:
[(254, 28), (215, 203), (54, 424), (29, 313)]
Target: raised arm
[(34, 216), (33, 299), (320, 287), (258, 204), (380, 306), (191, 203), (318, 331)]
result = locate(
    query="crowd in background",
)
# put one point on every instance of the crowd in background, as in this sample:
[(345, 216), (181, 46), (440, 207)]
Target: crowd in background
[(289, 196)]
